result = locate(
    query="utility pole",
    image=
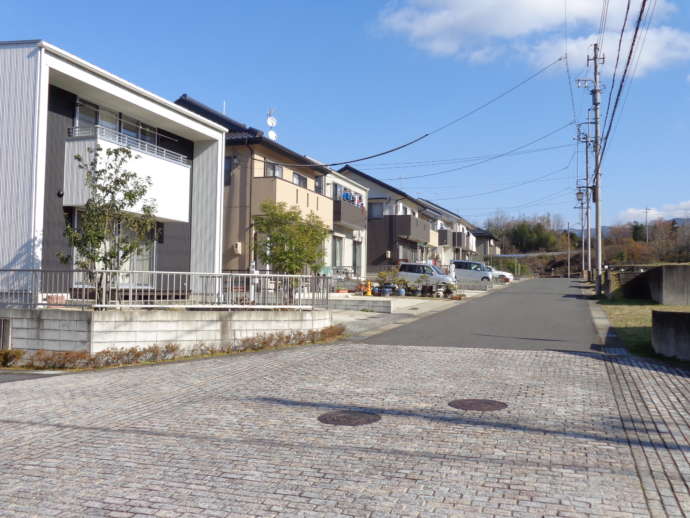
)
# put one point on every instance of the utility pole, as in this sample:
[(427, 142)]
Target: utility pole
[(568, 249), (646, 224), (596, 101), (588, 210)]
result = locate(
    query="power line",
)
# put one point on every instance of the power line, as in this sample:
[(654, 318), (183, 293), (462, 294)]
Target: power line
[(625, 74), (513, 186), (500, 155), (440, 128), (447, 161), (567, 64), (637, 62), (618, 55)]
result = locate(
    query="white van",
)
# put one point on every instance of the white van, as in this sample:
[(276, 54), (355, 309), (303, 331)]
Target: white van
[(472, 273), (411, 272)]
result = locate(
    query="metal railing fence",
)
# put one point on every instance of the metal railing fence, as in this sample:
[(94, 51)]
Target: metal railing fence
[(128, 141), (145, 289)]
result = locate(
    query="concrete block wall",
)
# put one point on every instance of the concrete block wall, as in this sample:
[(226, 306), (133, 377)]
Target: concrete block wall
[(142, 328), (671, 334), (51, 329), (93, 331)]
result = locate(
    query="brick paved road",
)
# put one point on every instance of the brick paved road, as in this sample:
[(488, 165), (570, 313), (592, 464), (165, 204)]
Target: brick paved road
[(238, 436)]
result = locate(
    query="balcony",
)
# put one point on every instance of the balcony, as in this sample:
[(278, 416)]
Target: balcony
[(169, 172), (271, 188), (413, 229), (349, 215), (444, 237), (459, 240)]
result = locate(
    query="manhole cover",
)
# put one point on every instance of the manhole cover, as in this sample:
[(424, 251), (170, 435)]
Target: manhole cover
[(481, 405), (349, 418)]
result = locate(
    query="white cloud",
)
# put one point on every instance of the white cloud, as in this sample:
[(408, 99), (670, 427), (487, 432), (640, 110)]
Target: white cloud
[(677, 210), (482, 30)]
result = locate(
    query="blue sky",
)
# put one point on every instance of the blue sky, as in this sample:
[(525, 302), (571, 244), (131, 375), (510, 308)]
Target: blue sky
[(347, 79)]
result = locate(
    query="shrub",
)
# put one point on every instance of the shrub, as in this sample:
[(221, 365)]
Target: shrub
[(113, 357), (9, 357)]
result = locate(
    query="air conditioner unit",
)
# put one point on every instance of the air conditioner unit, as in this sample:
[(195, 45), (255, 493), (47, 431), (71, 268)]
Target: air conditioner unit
[(237, 247)]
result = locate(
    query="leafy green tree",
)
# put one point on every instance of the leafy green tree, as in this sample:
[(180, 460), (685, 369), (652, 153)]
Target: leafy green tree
[(108, 231), (289, 241)]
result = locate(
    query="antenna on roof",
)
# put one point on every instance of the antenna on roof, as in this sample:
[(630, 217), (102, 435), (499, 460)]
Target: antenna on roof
[(224, 107), (271, 122)]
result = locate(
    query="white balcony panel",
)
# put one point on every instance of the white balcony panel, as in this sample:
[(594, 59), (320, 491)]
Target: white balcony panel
[(170, 180)]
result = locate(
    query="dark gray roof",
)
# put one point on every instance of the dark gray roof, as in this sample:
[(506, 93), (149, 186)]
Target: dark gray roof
[(349, 169)]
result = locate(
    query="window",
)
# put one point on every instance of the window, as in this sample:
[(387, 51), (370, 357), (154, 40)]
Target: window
[(318, 185), (108, 119), (227, 170), (87, 114), (337, 255), (271, 169), (337, 191), (300, 180), (160, 232), (148, 134), (375, 210), (129, 127)]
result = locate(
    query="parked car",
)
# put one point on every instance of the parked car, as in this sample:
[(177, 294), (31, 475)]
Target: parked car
[(500, 274), (411, 272), (473, 272)]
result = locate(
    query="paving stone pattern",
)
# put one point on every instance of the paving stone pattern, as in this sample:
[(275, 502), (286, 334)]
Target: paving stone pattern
[(239, 436)]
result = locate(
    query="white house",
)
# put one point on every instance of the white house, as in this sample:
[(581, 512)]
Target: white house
[(54, 105)]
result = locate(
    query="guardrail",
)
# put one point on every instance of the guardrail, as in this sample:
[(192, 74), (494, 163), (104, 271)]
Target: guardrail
[(128, 141), (146, 289)]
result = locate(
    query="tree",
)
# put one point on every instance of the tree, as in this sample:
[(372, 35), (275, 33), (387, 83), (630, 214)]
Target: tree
[(288, 241), (638, 231), (108, 231)]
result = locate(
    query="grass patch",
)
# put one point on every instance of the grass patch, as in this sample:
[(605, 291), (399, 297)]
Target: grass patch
[(632, 321)]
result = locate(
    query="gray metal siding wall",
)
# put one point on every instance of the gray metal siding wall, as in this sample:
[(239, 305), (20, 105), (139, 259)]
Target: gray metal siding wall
[(61, 106), (19, 73), (205, 171)]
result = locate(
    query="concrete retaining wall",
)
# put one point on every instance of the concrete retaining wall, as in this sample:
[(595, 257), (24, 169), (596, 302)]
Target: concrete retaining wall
[(671, 334), (668, 284), (93, 331), (52, 329)]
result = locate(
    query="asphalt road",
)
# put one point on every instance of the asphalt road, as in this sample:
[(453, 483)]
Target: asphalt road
[(539, 314)]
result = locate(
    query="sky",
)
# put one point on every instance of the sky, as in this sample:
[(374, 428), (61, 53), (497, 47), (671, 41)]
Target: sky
[(350, 79)]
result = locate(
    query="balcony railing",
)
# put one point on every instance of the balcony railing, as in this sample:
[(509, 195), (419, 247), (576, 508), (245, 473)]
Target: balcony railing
[(129, 142)]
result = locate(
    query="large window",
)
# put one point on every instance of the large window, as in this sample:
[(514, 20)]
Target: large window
[(337, 191), (299, 179), (318, 184), (271, 169), (375, 210)]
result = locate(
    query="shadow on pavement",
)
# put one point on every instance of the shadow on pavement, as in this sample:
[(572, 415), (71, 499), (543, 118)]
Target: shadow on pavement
[(460, 419)]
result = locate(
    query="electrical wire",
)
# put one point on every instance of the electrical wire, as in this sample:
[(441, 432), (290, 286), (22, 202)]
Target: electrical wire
[(512, 186), (618, 55), (621, 85), (500, 155), (637, 62), (447, 161), (436, 130), (567, 64)]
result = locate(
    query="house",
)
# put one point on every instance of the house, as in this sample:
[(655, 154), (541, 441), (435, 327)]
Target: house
[(487, 243), (348, 252), (399, 226), (454, 237), (55, 105), (259, 169)]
